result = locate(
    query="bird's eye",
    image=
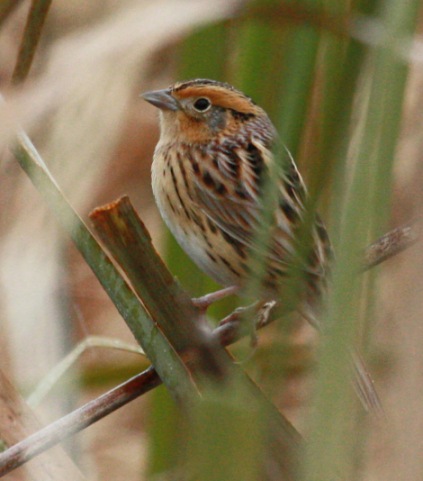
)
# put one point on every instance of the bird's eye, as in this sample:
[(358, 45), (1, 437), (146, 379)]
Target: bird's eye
[(202, 104)]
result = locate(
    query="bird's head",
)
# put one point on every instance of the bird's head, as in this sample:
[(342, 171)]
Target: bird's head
[(196, 111)]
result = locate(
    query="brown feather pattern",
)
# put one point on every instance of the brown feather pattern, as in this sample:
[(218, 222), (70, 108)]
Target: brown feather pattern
[(209, 172)]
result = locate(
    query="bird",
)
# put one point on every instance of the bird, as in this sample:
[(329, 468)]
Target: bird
[(208, 174), (213, 165)]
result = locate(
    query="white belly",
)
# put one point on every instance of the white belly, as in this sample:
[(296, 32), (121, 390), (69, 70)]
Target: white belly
[(188, 235)]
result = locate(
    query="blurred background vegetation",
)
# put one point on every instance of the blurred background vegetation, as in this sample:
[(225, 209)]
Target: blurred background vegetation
[(342, 83)]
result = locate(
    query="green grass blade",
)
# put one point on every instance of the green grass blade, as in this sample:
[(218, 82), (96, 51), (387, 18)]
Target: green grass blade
[(145, 331)]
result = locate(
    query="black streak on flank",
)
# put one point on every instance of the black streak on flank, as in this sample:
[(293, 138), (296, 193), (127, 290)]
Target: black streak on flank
[(233, 163), (194, 164), (228, 265), (238, 246), (208, 179), (255, 159), (214, 184), (195, 168), (290, 213), (212, 226), (197, 220), (206, 239), (172, 208), (221, 189), (241, 192), (231, 159), (175, 184), (183, 173), (211, 257)]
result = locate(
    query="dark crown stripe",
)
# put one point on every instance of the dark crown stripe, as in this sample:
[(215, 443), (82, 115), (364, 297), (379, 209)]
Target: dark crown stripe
[(200, 82)]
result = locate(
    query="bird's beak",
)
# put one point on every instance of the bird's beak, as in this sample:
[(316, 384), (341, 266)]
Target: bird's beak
[(162, 99)]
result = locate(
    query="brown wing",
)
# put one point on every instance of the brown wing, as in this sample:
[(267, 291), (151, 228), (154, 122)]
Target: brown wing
[(231, 193)]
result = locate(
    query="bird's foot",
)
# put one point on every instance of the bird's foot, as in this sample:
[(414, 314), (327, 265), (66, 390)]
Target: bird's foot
[(245, 321)]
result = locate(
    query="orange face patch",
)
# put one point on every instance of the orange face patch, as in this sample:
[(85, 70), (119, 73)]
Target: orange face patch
[(191, 129)]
